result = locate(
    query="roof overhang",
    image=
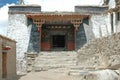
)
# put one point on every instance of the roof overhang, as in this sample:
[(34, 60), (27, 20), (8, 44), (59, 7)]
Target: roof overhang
[(41, 18), (56, 15)]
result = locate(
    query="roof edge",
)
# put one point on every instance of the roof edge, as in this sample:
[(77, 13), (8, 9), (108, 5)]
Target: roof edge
[(4, 37)]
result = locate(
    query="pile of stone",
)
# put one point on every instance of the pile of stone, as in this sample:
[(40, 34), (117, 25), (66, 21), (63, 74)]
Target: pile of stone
[(101, 52)]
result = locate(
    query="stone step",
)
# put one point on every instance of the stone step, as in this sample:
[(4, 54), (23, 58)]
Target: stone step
[(60, 70), (78, 72), (82, 68), (57, 65), (48, 67), (56, 57), (57, 53), (52, 63), (62, 59), (67, 65), (55, 60), (52, 52)]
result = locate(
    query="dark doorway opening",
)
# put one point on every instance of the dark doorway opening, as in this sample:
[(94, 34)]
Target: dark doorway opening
[(58, 41)]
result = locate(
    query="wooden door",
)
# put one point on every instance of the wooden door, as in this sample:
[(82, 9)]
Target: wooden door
[(4, 65)]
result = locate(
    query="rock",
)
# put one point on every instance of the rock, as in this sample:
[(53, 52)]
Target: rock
[(114, 67), (97, 75), (106, 75)]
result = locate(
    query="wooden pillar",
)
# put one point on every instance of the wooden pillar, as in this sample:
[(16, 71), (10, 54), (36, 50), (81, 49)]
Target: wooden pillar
[(40, 30), (75, 30)]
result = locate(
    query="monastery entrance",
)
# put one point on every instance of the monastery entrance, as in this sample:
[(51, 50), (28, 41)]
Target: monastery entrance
[(57, 30), (57, 37)]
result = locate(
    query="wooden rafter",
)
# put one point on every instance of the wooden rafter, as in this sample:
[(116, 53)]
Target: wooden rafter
[(40, 19)]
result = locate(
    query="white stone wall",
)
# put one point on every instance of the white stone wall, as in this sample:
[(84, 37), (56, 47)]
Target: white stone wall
[(116, 23), (100, 25), (19, 31), (88, 32), (112, 4), (118, 26)]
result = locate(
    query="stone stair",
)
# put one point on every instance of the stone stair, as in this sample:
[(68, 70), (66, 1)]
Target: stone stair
[(30, 59), (58, 61), (80, 71)]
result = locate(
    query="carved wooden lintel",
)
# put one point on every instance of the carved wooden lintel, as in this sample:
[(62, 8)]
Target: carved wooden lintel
[(41, 19)]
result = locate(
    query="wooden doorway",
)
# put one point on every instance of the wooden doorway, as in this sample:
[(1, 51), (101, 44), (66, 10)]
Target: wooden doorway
[(4, 65)]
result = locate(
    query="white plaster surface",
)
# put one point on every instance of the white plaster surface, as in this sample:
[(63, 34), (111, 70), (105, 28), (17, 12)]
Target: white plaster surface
[(112, 4), (19, 31), (100, 25)]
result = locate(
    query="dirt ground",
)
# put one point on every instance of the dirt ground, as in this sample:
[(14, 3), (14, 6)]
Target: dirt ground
[(47, 75)]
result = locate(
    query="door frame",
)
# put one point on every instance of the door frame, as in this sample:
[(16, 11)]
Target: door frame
[(51, 41)]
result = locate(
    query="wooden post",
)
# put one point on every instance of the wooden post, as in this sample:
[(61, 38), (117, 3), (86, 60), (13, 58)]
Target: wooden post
[(75, 29), (40, 29)]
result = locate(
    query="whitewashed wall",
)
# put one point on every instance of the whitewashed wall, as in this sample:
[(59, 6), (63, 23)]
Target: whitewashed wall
[(100, 25), (118, 26), (112, 4), (19, 31)]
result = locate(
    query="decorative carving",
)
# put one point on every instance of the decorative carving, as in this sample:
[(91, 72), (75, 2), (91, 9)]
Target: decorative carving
[(40, 19), (38, 22), (76, 22)]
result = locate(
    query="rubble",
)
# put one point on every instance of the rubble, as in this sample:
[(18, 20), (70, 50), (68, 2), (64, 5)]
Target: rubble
[(101, 52)]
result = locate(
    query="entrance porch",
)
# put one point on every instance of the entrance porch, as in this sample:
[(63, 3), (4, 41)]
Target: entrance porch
[(57, 31), (57, 37)]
